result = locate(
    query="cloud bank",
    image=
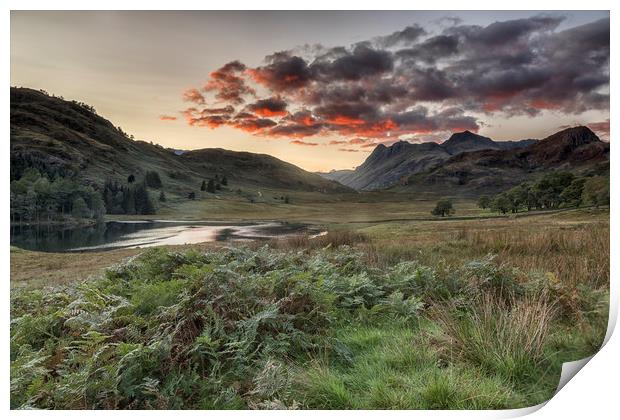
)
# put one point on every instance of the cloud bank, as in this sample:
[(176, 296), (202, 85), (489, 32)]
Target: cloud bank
[(411, 84)]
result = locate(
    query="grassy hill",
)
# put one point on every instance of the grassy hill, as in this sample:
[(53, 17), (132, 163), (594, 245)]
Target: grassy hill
[(68, 138)]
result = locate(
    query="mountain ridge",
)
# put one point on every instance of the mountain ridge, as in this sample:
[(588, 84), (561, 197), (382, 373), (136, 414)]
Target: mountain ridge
[(389, 165), (576, 149)]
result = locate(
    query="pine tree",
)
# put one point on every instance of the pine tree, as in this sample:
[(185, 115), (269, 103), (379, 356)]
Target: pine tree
[(203, 187), (211, 186), (129, 201)]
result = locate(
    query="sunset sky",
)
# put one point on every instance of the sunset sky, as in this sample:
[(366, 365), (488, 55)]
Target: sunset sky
[(321, 89)]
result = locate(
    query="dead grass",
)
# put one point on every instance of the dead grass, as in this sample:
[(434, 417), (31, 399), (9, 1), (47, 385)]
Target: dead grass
[(573, 247), (39, 269)]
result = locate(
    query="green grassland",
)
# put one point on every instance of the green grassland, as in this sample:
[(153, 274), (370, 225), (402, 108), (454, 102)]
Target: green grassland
[(311, 207), (423, 313)]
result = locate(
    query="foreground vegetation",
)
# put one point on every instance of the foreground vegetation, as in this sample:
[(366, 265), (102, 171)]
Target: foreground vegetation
[(451, 314)]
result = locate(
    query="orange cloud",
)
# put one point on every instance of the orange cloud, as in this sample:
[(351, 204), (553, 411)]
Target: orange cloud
[(303, 143), (193, 95), (167, 118), (346, 121), (266, 112)]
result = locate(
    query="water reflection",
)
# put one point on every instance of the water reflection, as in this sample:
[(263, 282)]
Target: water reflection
[(114, 235)]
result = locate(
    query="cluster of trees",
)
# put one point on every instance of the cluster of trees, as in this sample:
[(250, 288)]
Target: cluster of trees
[(128, 199), (554, 190), (37, 198), (214, 184)]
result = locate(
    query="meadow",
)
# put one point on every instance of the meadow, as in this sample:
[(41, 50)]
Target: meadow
[(423, 313)]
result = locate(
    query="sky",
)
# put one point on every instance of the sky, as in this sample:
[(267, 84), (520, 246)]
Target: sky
[(321, 89)]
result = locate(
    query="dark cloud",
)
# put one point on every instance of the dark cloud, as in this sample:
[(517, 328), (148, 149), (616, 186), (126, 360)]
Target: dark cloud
[(223, 110), (283, 72), (413, 85), (501, 34), (270, 107), (256, 125), (408, 35), (362, 61)]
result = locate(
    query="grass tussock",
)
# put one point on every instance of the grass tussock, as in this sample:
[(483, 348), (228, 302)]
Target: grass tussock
[(505, 336)]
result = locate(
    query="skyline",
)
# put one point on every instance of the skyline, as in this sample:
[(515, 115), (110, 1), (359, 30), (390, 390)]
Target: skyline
[(321, 89)]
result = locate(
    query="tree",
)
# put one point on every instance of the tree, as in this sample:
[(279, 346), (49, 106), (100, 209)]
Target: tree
[(572, 195), (218, 186), (518, 197), (224, 180), (96, 204), (484, 201), (549, 188), (162, 196), (596, 191), (153, 180), (203, 186), (443, 208), (80, 209), (131, 178), (191, 195), (144, 204), (501, 203), (211, 186), (129, 201)]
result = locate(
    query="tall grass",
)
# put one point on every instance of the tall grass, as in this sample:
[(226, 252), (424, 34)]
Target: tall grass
[(502, 336), (576, 255)]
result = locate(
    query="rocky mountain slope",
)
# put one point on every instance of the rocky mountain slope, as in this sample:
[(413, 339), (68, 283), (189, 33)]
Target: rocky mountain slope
[(387, 166), (575, 149)]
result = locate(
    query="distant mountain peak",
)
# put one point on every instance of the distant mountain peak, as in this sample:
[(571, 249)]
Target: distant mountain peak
[(466, 141), (466, 136), (577, 135)]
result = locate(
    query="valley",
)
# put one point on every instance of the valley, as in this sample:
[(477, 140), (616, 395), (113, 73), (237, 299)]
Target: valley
[(258, 284)]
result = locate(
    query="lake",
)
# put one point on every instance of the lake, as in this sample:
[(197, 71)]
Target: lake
[(115, 235)]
